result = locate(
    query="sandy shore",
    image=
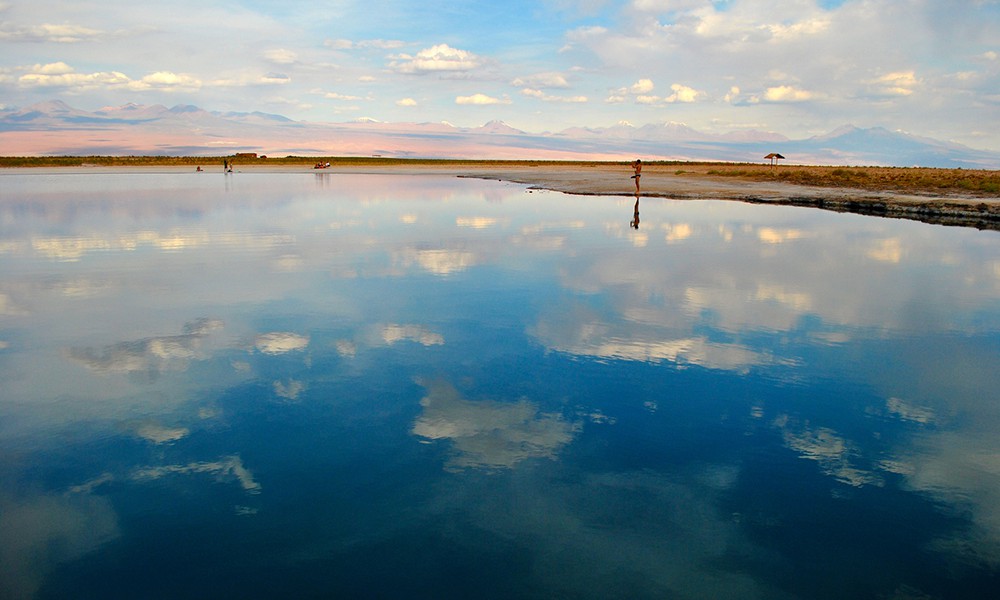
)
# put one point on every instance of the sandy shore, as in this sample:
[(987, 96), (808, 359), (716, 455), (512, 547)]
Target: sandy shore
[(931, 207), (608, 179)]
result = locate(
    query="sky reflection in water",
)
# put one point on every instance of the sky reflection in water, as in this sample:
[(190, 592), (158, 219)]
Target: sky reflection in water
[(320, 384)]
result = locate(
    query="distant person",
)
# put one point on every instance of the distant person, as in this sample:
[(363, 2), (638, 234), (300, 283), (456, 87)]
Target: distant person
[(634, 223), (198, 169), (225, 165), (637, 167)]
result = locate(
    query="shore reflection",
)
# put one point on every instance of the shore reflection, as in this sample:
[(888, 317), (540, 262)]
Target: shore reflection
[(374, 364)]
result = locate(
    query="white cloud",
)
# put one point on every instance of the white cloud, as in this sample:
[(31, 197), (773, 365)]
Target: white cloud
[(683, 93), (336, 96), (56, 68), (251, 79), (281, 56), (786, 93), (643, 86), (481, 100), (59, 34), (378, 44), (900, 83), (542, 80), (339, 44), (436, 59), (165, 80), (75, 80), (550, 98), (406, 102), (62, 75)]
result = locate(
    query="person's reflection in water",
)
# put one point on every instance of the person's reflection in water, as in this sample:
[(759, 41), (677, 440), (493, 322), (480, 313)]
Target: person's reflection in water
[(634, 223)]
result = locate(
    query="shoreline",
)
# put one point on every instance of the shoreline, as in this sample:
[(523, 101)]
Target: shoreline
[(674, 181)]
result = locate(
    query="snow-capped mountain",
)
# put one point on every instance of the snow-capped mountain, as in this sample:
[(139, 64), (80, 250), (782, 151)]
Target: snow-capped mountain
[(56, 128)]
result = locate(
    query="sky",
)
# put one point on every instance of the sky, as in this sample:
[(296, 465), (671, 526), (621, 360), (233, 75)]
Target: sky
[(796, 67)]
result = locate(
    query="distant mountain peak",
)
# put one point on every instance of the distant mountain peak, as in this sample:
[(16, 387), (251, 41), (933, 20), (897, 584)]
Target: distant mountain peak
[(498, 126), (838, 132), (138, 128), (185, 108)]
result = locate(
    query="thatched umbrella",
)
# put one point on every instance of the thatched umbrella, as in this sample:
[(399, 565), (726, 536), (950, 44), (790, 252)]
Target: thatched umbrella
[(773, 157)]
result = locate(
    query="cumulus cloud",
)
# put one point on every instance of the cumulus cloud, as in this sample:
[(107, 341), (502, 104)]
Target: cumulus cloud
[(640, 93), (406, 102), (74, 80), (436, 59), (683, 93), (900, 83), (643, 86), (481, 100), (168, 79), (786, 93), (62, 75)]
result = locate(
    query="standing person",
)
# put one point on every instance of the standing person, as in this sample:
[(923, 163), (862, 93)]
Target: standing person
[(225, 165), (637, 167)]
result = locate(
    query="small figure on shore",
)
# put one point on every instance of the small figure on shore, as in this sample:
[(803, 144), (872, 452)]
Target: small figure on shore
[(225, 165), (198, 169), (634, 223), (637, 167)]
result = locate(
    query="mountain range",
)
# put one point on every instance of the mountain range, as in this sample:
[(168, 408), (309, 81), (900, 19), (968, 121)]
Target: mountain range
[(56, 128)]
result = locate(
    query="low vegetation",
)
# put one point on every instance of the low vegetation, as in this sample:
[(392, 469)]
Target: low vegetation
[(914, 180)]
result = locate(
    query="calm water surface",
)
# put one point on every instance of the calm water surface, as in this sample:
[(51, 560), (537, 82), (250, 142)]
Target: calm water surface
[(321, 385)]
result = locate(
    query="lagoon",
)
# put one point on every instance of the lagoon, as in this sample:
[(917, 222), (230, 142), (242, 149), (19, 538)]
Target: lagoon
[(336, 385)]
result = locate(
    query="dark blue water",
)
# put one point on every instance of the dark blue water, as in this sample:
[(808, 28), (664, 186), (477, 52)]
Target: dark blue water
[(321, 385)]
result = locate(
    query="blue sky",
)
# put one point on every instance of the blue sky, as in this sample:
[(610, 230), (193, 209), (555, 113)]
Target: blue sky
[(798, 67)]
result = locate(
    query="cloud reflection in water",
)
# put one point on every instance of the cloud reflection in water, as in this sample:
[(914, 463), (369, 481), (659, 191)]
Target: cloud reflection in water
[(488, 434)]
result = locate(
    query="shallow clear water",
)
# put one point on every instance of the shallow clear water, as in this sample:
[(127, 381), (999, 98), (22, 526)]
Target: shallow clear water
[(322, 385)]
